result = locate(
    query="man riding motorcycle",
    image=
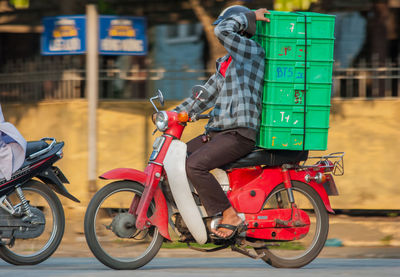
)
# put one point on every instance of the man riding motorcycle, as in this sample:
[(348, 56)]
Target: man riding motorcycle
[(234, 93)]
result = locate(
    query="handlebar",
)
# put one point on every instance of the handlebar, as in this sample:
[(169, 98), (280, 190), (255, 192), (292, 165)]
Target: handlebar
[(196, 117), (203, 116)]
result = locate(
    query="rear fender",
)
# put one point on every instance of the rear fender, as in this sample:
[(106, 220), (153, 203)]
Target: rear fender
[(319, 188), (55, 179), (160, 216), (300, 176)]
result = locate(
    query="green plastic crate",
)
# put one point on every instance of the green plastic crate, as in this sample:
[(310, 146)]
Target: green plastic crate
[(292, 25), (293, 94), (292, 138), (284, 41), (292, 116), (293, 71), (294, 48)]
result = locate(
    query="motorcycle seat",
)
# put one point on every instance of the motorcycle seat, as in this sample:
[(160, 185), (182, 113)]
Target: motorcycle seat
[(261, 156), (35, 146)]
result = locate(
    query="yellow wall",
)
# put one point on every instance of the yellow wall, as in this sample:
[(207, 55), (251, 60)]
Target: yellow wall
[(367, 130)]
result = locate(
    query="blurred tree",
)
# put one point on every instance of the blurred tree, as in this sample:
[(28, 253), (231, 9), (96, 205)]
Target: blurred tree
[(215, 47), (292, 5), (207, 16), (20, 4)]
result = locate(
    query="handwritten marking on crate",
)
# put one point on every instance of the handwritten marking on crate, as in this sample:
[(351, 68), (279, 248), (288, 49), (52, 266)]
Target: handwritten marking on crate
[(295, 143), (300, 75), (288, 72), (284, 72), (273, 141), (292, 27), (283, 117), (285, 49), (301, 50), (298, 96)]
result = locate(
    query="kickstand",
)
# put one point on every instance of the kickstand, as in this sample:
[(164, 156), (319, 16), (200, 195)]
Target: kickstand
[(208, 250), (246, 252)]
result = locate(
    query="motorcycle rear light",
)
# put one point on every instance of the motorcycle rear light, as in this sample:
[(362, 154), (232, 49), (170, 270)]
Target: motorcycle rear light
[(319, 178), (60, 154), (322, 179), (183, 117)]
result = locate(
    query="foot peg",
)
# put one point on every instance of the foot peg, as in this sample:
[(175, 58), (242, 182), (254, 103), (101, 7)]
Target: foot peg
[(246, 252)]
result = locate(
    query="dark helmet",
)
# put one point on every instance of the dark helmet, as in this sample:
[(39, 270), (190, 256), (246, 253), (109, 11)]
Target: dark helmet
[(232, 10)]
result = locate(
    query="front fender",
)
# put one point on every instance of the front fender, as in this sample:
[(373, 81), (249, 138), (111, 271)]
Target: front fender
[(160, 216), (125, 174)]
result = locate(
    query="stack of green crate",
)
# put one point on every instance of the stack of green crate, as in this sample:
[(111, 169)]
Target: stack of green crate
[(290, 100)]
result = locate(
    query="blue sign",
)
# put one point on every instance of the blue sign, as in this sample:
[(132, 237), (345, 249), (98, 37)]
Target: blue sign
[(64, 35), (122, 35)]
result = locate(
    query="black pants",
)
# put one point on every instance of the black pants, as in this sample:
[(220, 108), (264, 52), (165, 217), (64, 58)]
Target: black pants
[(221, 149)]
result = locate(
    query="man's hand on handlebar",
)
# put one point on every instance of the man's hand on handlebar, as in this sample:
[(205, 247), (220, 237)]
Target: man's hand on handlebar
[(196, 117)]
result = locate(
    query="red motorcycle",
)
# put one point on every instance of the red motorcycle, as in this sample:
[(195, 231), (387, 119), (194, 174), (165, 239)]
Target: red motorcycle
[(283, 201)]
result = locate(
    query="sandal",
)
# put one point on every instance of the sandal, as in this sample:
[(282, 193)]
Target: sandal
[(236, 229)]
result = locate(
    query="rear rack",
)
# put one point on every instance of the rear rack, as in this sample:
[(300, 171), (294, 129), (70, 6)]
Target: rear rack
[(47, 149), (336, 163)]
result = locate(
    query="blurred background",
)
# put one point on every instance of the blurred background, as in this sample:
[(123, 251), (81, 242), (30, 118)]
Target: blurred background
[(45, 96)]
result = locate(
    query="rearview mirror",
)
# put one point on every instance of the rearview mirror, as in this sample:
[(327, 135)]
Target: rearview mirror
[(160, 98)]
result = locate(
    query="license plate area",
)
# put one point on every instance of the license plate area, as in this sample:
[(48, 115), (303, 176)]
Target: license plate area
[(330, 185), (157, 145)]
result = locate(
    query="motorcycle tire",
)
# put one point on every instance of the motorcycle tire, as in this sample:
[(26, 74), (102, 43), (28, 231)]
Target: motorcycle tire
[(319, 240), (56, 233), (93, 234)]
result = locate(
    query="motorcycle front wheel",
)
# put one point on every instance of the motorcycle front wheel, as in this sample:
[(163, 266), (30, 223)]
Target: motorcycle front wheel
[(32, 251), (298, 253), (110, 229)]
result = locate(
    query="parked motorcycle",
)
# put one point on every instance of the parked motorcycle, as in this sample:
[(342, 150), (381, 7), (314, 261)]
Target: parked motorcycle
[(283, 200), (31, 215)]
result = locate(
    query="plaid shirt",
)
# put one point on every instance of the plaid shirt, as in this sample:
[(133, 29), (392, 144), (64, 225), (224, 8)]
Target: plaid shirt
[(237, 97)]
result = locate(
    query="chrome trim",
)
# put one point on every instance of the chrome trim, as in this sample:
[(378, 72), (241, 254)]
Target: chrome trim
[(47, 149), (162, 125), (151, 162), (6, 205), (337, 166)]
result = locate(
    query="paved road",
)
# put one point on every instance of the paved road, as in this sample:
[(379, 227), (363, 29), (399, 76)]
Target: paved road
[(214, 267)]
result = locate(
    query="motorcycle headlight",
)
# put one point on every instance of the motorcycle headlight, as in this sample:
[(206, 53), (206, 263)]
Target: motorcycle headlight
[(161, 121)]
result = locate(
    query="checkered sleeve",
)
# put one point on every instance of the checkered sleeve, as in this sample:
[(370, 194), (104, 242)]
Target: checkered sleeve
[(196, 106), (239, 47)]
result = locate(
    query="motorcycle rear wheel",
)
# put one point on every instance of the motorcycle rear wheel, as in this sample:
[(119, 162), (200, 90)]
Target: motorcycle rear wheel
[(36, 250), (107, 211), (298, 253)]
